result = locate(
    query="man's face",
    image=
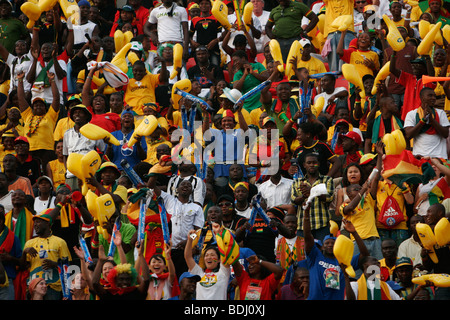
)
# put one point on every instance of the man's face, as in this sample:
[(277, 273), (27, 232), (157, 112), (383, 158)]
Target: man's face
[(360, 4), (284, 91), (185, 188), (109, 175), (138, 72), (5, 10), (22, 148), (236, 172), (21, 47), (202, 55), (79, 116), (18, 198), (84, 11), (396, 9), (429, 98), (258, 6), (311, 165), (389, 249)]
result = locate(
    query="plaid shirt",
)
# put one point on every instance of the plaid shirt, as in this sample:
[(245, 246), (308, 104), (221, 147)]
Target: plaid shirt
[(319, 213)]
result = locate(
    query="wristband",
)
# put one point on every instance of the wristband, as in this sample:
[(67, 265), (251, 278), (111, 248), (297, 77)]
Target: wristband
[(59, 205)]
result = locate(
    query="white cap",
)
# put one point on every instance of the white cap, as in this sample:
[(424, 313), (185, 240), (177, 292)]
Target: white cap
[(233, 95), (304, 42)]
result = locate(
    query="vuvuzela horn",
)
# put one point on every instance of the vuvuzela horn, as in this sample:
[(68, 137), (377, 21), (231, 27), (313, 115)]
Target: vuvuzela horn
[(426, 79)]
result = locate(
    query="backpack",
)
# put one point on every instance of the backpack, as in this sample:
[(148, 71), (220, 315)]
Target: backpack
[(390, 214)]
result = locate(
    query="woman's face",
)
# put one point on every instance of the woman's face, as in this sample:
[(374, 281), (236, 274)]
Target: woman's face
[(41, 288), (353, 175), (211, 259), (157, 265), (98, 104), (39, 108), (116, 103), (107, 267), (241, 193)]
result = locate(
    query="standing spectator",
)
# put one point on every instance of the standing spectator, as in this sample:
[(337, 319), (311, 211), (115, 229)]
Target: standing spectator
[(10, 164), (207, 30), (428, 127), (319, 207), (411, 247), (334, 9), (11, 29), (168, 23), (185, 216), (42, 254), (19, 61), (263, 16), (285, 23), (11, 251)]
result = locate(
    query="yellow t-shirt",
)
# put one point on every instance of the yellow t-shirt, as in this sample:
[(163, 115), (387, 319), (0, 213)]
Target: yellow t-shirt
[(151, 149), (58, 170), (42, 138), (19, 128), (313, 65), (334, 9), (363, 218), (54, 248), (255, 114), (4, 87), (138, 91), (62, 126), (356, 58)]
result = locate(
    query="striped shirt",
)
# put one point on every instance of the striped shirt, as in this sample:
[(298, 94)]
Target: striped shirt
[(319, 213)]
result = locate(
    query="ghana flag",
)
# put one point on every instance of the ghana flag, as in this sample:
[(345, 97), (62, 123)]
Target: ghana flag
[(404, 167), (441, 190)]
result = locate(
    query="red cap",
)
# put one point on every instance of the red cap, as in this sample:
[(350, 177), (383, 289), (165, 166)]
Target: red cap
[(21, 139), (354, 136)]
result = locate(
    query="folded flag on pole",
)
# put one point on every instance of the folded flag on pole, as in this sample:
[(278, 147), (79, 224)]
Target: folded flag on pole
[(113, 75), (404, 167)]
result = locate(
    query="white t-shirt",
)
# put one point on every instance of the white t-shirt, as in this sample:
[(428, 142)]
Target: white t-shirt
[(46, 92), (183, 74), (41, 205), (169, 28), (327, 96), (6, 201), (79, 32), (184, 217), (432, 145), (213, 285), (264, 38), (16, 65)]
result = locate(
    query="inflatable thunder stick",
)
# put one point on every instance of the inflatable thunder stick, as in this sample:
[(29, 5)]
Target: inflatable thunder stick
[(252, 92), (164, 222)]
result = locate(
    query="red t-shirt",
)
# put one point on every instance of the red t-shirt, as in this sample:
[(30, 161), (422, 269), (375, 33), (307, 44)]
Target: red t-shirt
[(256, 288)]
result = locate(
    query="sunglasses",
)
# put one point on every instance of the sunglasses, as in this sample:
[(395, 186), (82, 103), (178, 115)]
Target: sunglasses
[(225, 204)]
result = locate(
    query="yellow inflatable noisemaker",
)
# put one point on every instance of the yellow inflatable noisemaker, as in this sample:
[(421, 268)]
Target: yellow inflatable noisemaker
[(275, 51), (247, 15), (119, 59), (184, 85), (424, 28), (343, 251), (446, 32), (318, 106), (441, 280), (294, 51), (177, 59), (394, 142), (352, 75), (145, 128), (394, 38), (342, 23), (442, 232), (90, 163), (381, 76), (106, 208), (334, 228), (426, 44), (94, 132), (220, 11), (428, 239), (33, 10)]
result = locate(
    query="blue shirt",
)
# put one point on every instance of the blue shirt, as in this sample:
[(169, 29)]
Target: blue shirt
[(320, 268), (132, 159)]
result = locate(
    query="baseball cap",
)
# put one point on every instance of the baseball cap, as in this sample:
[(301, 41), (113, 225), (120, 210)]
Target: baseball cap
[(403, 261), (84, 3), (45, 178), (268, 119), (127, 8), (418, 60), (136, 46), (108, 164), (354, 136), (304, 42), (189, 275), (21, 139), (365, 159), (44, 215)]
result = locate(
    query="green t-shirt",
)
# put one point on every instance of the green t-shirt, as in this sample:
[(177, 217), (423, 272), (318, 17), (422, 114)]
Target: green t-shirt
[(249, 83), (288, 21), (127, 230), (11, 30)]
